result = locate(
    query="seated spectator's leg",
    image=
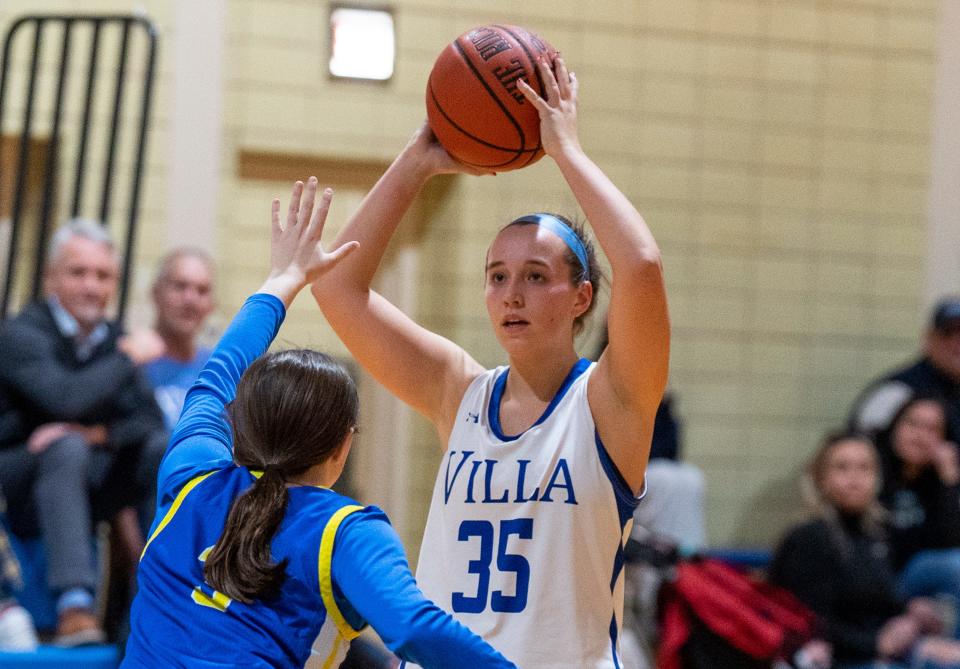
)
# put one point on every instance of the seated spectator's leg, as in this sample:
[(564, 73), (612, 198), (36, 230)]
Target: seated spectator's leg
[(61, 493), (673, 504), (65, 473), (933, 573)]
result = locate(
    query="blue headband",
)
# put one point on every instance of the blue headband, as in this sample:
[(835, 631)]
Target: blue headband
[(564, 232)]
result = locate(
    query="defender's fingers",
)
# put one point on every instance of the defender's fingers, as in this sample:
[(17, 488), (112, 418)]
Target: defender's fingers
[(306, 202), (320, 214), (275, 227), (294, 203), (342, 252)]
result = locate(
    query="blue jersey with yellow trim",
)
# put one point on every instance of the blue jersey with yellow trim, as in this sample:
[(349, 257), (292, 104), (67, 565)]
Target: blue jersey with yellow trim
[(175, 608), (346, 566)]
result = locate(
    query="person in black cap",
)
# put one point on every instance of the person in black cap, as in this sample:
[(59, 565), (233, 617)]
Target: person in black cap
[(935, 374)]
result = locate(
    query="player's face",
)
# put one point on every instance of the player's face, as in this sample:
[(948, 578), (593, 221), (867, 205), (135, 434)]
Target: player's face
[(530, 297), (184, 297), (850, 479), (83, 277), (917, 433)]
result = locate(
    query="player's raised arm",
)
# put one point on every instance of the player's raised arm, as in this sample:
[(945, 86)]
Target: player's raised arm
[(632, 372), (423, 369), (296, 258)]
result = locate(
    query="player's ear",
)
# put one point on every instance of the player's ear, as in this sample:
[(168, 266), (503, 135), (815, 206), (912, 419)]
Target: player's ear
[(343, 450)]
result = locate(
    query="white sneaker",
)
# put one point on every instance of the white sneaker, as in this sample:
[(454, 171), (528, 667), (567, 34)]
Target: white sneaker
[(16, 629)]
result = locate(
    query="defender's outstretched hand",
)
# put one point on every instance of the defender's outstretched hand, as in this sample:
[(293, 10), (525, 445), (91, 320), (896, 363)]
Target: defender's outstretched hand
[(296, 256)]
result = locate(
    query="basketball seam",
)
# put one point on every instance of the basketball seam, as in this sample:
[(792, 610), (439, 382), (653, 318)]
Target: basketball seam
[(533, 62), (496, 98), (471, 136), (533, 68), (519, 152)]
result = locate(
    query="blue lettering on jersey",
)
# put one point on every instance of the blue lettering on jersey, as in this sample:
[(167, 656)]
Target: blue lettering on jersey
[(568, 484), (487, 499), (520, 476), (560, 479), (449, 484)]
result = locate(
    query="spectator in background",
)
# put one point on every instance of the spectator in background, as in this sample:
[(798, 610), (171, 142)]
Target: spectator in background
[(183, 299), (936, 373), (838, 565), (921, 491), (80, 433)]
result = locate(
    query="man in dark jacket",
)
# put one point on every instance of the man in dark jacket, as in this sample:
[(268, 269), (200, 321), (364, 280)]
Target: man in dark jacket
[(936, 374), (80, 433)]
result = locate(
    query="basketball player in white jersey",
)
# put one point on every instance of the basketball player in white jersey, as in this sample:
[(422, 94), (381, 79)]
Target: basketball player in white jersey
[(544, 460)]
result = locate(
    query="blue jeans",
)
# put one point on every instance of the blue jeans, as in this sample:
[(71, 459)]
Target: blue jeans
[(933, 573)]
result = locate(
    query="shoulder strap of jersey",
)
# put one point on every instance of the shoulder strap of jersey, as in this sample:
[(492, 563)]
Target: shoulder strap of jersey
[(325, 564)]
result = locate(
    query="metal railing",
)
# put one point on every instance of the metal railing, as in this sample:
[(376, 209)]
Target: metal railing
[(100, 27)]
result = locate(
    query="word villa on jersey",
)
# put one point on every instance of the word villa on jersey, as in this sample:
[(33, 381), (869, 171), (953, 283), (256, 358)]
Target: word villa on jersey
[(476, 481)]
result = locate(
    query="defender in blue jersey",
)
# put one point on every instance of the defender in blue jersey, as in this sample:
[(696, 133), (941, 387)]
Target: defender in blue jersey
[(253, 561)]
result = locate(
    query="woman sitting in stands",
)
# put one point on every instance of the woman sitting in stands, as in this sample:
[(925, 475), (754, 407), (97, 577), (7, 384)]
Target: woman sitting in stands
[(838, 564)]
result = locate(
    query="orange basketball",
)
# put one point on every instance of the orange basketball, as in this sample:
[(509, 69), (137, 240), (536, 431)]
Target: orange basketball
[(474, 105)]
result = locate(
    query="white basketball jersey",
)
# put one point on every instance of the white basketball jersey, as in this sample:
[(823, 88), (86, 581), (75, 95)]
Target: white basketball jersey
[(524, 541)]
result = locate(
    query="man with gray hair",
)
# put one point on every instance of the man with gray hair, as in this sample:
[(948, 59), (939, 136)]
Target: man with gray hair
[(182, 299), (80, 433)]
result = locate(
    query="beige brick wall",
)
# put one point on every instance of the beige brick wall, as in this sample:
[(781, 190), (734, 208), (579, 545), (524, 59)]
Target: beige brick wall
[(779, 150)]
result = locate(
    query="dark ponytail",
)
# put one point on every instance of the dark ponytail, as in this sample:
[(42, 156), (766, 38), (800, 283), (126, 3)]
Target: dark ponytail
[(240, 565), (292, 411)]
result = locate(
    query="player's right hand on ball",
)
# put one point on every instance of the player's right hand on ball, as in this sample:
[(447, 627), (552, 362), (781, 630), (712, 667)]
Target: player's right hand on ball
[(425, 145)]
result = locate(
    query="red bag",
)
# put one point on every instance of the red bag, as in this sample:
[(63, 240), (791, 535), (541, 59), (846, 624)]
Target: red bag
[(756, 620)]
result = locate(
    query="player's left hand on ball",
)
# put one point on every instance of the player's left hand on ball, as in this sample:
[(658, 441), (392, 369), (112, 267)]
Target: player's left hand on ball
[(558, 111)]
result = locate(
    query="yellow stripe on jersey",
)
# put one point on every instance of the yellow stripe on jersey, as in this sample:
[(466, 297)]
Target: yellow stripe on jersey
[(326, 582), (218, 600), (178, 500)]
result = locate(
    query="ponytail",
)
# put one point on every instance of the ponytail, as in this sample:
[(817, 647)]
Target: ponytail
[(240, 564), (292, 411)]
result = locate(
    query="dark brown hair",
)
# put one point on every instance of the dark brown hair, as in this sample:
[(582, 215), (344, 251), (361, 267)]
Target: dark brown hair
[(293, 409), (578, 273)]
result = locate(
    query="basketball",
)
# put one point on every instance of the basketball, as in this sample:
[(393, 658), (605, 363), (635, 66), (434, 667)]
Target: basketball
[(474, 105)]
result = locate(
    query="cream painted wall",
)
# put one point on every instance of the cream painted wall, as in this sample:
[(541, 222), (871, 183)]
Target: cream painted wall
[(780, 150)]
